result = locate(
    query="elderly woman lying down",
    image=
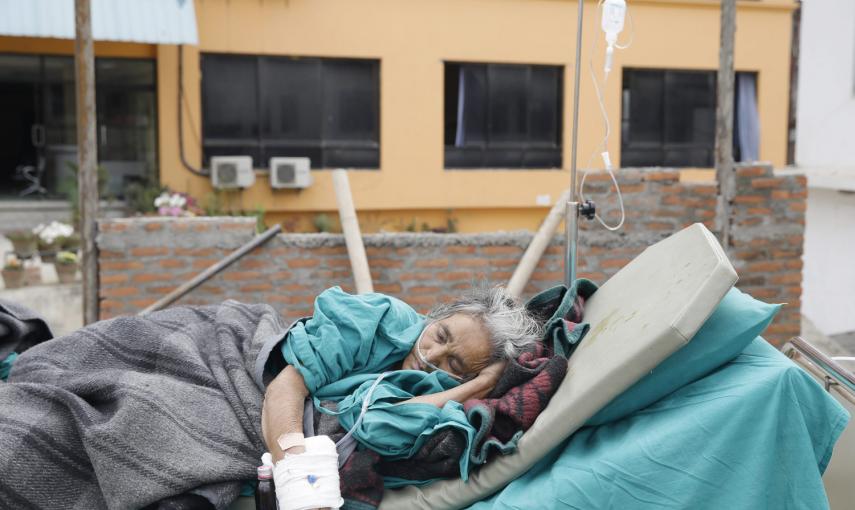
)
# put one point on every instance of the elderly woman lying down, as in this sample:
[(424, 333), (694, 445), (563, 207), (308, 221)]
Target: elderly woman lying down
[(134, 411)]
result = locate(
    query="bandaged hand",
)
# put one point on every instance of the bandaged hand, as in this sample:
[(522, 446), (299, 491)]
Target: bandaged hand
[(310, 479)]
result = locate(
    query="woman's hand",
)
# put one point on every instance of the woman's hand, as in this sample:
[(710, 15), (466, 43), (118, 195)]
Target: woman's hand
[(492, 373), (479, 387)]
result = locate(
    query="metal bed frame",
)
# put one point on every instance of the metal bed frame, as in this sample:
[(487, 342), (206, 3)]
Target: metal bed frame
[(834, 376)]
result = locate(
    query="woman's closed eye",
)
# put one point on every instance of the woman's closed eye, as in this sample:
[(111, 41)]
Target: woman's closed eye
[(456, 366), (442, 334)]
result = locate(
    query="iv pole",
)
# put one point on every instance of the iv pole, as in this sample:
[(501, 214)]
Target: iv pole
[(571, 212)]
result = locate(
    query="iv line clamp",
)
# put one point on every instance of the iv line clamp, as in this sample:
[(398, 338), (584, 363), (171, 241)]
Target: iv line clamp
[(587, 209)]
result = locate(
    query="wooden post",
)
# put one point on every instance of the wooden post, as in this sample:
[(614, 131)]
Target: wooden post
[(352, 236), (724, 121), (87, 155)]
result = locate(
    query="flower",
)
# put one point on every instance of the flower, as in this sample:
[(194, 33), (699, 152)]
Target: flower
[(52, 231), (13, 263), (173, 204), (66, 257)]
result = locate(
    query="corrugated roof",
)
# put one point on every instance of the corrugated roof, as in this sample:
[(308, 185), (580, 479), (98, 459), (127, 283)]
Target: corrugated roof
[(143, 21)]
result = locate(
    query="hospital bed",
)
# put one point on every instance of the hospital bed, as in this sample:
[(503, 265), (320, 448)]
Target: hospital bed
[(647, 311)]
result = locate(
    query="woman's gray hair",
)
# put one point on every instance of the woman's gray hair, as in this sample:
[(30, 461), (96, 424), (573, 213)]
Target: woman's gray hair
[(510, 327)]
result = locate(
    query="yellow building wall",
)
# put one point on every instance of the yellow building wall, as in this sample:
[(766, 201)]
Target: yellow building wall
[(412, 39)]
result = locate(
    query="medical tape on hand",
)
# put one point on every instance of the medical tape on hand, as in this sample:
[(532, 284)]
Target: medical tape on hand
[(310, 479)]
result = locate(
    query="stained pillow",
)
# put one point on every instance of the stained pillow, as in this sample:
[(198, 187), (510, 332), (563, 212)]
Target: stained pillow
[(737, 320)]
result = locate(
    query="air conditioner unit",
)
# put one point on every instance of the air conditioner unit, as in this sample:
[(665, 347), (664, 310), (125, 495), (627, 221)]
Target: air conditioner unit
[(290, 173), (232, 172)]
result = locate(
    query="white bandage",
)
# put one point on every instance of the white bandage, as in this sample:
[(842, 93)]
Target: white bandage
[(309, 480)]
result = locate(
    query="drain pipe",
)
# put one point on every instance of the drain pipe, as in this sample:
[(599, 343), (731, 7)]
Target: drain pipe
[(201, 172)]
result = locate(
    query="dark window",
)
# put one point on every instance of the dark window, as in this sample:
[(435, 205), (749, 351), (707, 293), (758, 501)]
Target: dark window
[(38, 144), (668, 118), (323, 109), (502, 116), (127, 114)]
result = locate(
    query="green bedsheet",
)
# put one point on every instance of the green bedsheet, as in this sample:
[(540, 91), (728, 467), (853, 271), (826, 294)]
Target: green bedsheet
[(756, 433)]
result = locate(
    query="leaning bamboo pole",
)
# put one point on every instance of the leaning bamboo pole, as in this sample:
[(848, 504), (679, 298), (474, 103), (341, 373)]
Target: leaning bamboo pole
[(352, 236), (212, 270)]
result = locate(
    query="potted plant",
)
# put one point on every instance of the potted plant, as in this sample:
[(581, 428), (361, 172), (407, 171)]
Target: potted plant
[(23, 243), (50, 239), (13, 273), (70, 243), (66, 266), (47, 251)]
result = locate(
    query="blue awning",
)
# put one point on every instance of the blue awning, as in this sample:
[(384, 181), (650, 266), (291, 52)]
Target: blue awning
[(142, 21)]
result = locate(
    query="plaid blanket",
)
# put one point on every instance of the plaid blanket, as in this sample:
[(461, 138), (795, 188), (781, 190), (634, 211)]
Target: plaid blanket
[(129, 411)]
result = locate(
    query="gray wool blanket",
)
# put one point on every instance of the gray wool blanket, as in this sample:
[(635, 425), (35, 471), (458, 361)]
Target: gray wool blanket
[(125, 412)]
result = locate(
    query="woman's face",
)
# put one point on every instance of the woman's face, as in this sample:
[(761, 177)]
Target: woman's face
[(458, 345)]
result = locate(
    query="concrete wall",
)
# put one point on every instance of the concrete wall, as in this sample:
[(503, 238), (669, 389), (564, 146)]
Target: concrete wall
[(825, 153), (826, 93), (829, 273), (142, 259)]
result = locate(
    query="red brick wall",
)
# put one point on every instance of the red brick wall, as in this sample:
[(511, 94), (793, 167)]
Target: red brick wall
[(143, 259)]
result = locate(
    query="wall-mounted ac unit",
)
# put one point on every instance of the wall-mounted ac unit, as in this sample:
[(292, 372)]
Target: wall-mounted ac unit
[(232, 172), (290, 173)]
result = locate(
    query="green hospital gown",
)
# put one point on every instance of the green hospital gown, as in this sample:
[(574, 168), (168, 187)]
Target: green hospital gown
[(342, 349)]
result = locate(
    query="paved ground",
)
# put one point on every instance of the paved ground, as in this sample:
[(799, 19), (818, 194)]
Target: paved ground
[(846, 341), (838, 345), (60, 305)]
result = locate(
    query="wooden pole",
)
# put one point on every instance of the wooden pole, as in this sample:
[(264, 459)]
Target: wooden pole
[(87, 155), (724, 120), (352, 237)]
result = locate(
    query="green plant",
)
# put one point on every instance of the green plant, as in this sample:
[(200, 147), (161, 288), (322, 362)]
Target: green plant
[(322, 223), (219, 203), (24, 242), (411, 226), (140, 196), (451, 222), (46, 246), (68, 187), (66, 258), (260, 225), (70, 243), (21, 235)]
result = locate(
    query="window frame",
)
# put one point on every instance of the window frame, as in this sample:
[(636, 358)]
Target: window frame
[(41, 83), (524, 146), (663, 146), (260, 143)]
